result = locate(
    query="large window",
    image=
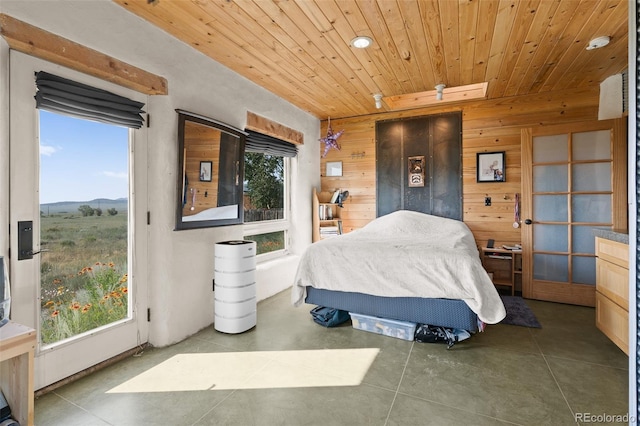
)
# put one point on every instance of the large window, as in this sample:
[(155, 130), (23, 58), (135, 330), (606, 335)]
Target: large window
[(266, 202)]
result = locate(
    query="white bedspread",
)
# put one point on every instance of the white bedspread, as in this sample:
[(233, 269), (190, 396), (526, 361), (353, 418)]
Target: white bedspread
[(403, 254)]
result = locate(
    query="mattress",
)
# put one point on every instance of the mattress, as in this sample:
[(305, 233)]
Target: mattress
[(441, 312)]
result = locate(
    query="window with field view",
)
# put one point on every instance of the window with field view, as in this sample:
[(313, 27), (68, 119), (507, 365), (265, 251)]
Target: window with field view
[(264, 201), (84, 217)]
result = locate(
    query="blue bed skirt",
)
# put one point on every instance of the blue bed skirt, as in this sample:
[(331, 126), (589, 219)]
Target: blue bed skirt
[(441, 312)]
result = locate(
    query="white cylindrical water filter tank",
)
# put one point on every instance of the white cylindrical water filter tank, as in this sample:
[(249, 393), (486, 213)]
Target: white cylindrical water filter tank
[(235, 286)]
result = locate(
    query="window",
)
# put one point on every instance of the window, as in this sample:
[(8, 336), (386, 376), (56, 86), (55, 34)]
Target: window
[(266, 192), (266, 201)]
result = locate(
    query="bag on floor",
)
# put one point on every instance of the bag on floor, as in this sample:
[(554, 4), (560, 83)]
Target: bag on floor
[(329, 317), (426, 333)]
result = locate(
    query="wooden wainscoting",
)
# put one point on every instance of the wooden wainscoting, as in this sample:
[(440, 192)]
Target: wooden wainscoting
[(488, 125)]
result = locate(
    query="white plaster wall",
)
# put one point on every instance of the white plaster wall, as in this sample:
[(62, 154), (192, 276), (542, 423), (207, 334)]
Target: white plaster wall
[(180, 263)]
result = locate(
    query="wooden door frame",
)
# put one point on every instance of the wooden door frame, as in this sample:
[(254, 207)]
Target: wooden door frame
[(584, 294)]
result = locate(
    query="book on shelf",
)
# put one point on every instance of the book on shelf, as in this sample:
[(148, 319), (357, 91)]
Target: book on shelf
[(499, 256), (514, 248), (327, 231), (334, 197)]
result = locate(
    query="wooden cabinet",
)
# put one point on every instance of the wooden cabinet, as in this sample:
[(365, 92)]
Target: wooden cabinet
[(326, 216), (17, 348), (612, 291), (504, 266)]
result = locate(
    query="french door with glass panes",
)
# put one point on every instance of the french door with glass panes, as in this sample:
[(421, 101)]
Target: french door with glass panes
[(81, 284), (574, 180)]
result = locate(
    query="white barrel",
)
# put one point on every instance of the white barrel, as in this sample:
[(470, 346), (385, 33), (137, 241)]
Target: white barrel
[(235, 286)]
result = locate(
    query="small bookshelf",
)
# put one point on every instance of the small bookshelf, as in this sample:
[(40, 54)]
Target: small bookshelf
[(504, 266), (326, 216)]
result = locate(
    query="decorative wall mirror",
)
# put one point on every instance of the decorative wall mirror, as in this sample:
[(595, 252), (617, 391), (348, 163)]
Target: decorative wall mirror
[(210, 170)]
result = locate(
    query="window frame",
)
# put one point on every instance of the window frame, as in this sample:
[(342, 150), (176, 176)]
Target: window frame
[(267, 226)]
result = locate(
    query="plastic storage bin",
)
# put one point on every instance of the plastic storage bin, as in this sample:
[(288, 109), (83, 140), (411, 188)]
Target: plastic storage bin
[(235, 286), (399, 329)]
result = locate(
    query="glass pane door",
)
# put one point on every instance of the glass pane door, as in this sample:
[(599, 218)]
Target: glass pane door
[(84, 218), (84, 289), (571, 194)]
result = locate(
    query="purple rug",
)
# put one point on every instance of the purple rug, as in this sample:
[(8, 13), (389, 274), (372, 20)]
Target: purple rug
[(518, 313)]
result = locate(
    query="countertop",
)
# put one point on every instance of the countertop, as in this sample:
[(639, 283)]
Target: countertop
[(611, 234)]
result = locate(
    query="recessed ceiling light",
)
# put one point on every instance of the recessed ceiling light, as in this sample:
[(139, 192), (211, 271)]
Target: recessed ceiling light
[(361, 42), (598, 42)]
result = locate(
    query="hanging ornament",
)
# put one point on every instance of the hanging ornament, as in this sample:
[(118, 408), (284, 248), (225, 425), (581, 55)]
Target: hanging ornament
[(331, 140), (516, 212)]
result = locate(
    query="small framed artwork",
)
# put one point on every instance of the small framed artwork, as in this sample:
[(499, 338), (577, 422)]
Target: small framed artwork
[(490, 167), (205, 171), (416, 170), (334, 168)]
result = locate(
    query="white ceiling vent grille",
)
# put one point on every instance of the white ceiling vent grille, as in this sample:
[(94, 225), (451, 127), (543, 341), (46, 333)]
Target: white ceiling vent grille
[(614, 96)]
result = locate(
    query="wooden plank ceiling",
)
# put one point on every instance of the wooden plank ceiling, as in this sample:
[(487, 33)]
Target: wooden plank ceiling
[(300, 49)]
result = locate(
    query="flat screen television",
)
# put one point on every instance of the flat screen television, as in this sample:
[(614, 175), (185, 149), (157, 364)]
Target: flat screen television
[(5, 292)]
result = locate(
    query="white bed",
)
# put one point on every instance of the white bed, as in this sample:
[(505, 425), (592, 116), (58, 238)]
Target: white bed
[(404, 254)]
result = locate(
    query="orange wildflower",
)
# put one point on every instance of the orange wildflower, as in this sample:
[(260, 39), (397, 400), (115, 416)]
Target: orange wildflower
[(55, 313)]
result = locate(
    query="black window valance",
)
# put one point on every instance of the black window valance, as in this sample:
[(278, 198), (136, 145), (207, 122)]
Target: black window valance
[(258, 142), (57, 94)]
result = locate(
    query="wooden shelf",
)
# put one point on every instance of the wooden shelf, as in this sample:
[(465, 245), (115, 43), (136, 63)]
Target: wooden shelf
[(501, 264), (332, 226), (17, 348)]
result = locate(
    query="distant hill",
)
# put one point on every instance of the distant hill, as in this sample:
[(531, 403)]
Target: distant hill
[(72, 206)]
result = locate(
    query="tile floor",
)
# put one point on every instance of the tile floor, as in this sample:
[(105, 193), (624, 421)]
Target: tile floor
[(506, 375)]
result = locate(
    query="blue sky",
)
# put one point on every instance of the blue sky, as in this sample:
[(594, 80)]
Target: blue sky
[(81, 160)]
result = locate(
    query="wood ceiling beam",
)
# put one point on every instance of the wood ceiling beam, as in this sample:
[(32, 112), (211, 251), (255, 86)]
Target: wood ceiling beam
[(271, 128), (450, 94), (42, 44)]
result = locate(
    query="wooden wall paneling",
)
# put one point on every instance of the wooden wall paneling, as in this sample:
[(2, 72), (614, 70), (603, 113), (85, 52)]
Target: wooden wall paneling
[(487, 125)]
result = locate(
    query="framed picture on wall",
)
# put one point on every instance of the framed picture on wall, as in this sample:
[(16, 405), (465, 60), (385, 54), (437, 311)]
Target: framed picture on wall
[(205, 171), (334, 168), (416, 171), (490, 167)]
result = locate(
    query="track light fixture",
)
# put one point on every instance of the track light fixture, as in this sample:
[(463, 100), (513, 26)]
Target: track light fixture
[(378, 99)]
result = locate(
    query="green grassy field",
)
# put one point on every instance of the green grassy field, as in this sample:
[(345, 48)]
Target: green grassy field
[(83, 272)]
